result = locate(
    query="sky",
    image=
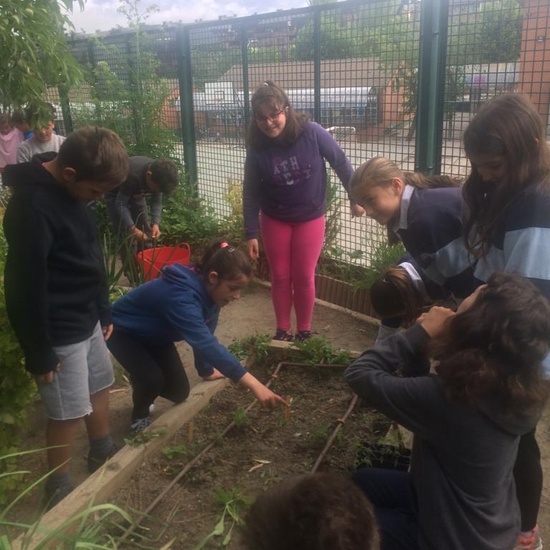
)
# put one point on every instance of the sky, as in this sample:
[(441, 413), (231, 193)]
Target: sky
[(102, 15)]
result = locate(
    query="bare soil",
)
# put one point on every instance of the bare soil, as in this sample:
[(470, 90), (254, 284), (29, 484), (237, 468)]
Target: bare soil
[(262, 449)]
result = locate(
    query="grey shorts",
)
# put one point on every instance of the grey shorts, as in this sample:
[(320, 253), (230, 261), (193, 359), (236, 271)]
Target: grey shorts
[(86, 368)]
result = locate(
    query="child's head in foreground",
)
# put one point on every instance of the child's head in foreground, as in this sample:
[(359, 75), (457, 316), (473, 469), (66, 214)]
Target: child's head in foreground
[(226, 270), (319, 511), (90, 162)]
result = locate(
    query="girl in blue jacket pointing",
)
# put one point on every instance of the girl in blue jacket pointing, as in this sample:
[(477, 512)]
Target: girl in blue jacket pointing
[(183, 304)]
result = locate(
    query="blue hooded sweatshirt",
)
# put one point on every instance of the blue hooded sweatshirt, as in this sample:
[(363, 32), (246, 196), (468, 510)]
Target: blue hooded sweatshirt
[(177, 307)]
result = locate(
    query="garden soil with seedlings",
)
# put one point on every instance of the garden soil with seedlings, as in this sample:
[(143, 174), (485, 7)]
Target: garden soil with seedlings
[(260, 450), (265, 446)]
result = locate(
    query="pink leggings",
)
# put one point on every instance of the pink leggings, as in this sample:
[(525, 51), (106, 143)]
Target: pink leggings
[(292, 250)]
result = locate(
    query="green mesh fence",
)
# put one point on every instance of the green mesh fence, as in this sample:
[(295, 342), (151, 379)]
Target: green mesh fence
[(399, 78)]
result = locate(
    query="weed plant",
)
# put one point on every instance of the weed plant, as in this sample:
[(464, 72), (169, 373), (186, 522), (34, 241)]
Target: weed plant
[(317, 350), (233, 505), (94, 527)]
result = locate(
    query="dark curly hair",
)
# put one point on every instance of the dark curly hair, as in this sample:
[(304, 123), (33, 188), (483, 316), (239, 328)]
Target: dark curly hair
[(321, 511), (494, 349), (164, 173), (508, 127), (273, 97)]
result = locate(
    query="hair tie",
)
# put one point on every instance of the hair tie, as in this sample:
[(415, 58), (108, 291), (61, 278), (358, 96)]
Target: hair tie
[(223, 245), (226, 245), (265, 84)]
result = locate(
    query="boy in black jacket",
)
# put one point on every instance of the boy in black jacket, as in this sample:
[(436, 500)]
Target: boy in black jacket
[(56, 291)]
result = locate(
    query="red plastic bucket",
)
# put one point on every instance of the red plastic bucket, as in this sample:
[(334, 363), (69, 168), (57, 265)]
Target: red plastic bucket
[(152, 260)]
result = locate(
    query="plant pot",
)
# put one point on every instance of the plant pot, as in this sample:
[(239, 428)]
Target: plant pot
[(385, 456)]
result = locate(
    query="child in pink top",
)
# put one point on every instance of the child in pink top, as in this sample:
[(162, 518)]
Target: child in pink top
[(10, 138)]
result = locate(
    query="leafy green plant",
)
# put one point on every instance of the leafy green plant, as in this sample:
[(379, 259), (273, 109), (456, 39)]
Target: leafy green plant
[(387, 451), (234, 223), (317, 350), (348, 267), (257, 345), (385, 256), (187, 219), (233, 504)]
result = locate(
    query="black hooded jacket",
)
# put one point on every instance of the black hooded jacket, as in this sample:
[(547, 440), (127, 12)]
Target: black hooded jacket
[(55, 283)]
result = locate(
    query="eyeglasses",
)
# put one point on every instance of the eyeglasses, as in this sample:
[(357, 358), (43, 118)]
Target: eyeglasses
[(268, 118)]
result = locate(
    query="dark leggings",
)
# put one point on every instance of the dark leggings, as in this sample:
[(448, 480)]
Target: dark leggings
[(528, 478), (390, 493), (154, 370)]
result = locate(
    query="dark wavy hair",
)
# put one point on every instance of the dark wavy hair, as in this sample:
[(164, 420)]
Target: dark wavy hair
[(321, 511), (273, 97), (508, 126), (164, 173), (494, 349), (226, 260)]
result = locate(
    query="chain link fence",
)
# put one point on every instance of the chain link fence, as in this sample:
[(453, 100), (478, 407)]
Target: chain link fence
[(399, 78)]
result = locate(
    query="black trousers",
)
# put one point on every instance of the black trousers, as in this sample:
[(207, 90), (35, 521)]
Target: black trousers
[(528, 478), (154, 370)]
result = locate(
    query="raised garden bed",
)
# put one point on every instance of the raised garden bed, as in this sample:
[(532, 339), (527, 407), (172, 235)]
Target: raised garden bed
[(322, 430)]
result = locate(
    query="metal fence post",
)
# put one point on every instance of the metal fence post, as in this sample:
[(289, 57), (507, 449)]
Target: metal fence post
[(317, 65), (185, 83), (245, 82), (431, 85)]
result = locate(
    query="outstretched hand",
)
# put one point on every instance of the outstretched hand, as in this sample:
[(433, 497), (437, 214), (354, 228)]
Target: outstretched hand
[(268, 399)]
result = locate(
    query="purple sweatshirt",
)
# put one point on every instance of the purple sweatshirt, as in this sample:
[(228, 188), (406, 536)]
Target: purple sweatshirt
[(289, 183)]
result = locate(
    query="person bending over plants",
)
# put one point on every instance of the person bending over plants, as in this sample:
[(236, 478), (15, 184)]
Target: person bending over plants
[(182, 304), (467, 419)]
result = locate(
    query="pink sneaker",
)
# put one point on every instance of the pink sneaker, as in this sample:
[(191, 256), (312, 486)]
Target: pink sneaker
[(530, 542)]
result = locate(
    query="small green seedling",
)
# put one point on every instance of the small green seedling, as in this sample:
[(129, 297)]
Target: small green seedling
[(174, 451), (240, 417)]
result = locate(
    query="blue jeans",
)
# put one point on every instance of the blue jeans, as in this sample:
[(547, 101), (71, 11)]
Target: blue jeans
[(390, 494)]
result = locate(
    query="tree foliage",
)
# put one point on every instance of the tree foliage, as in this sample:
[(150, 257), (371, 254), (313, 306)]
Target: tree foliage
[(34, 50), (492, 34)]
